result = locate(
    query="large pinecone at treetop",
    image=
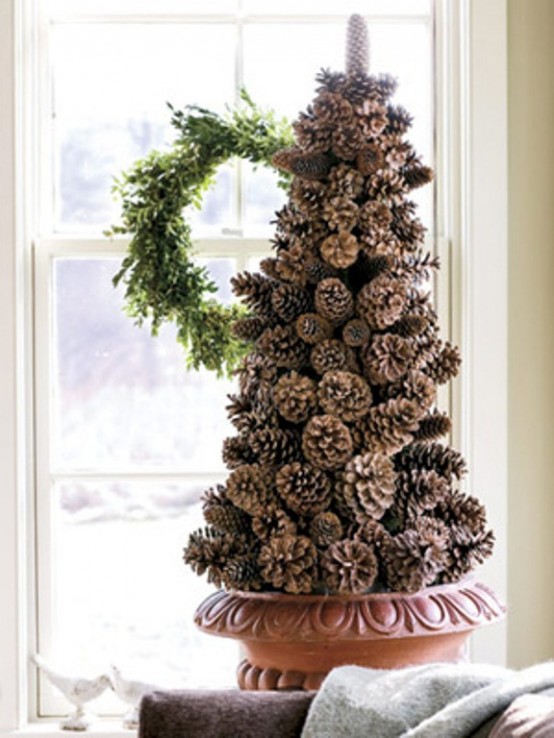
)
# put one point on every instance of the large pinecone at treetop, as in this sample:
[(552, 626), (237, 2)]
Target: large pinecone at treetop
[(338, 478)]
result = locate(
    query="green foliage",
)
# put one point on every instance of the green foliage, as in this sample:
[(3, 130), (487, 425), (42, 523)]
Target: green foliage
[(162, 282)]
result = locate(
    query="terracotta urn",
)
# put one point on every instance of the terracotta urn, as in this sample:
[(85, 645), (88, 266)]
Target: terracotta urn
[(293, 641)]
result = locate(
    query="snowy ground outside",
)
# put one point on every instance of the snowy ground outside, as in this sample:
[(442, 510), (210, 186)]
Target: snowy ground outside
[(124, 597)]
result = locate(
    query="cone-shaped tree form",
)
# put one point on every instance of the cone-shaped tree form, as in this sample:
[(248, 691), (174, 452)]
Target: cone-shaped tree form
[(338, 481)]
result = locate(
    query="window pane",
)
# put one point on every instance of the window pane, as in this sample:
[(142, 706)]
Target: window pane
[(339, 7), (124, 7), (110, 108), (262, 197), (217, 212), (122, 397), (122, 594)]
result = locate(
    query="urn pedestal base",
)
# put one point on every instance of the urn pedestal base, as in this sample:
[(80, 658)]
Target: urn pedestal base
[(293, 641)]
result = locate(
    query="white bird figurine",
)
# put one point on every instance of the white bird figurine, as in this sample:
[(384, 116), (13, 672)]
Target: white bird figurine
[(130, 691), (75, 689)]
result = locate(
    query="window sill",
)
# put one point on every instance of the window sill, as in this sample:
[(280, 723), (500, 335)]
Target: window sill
[(102, 729)]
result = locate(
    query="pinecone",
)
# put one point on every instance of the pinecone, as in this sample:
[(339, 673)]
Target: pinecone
[(290, 264), (397, 151), (295, 397), (207, 551), (312, 328), (345, 395), (221, 514), (242, 573), (445, 366), (381, 243), (345, 181), (416, 175), (312, 166), (255, 291), (399, 120), (356, 333), (386, 86), (432, 427), (331, 355), (410, 326), (374, 216), (370, 159), (386, 185), (261, 416), (326, 442), (413, 559), (462, 510), (247, 489), (419, 490), (349, 566), (357, 46), (367, 268), (325, 528), (303, 488), (340, 249), (415, 385), (236, 453), (382, 301), (269, 267), (249, 329), (360, 86), (256, 369), (389, 426), (311, 134), (409, 229), (316, 270), (306, 165), (347, 141), (288, 563), (466, 551), (372, 118), (370, 532), (273, 446), (340, 213), (283, 347), (388, 358), (368, 483), (445, 461), (289, 301), (274, 522), (333, 300), (329, 81), (308, 196), (418, 268), (332, 109)]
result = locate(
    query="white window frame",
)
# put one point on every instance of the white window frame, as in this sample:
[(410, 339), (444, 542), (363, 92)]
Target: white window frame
[(474, 155)]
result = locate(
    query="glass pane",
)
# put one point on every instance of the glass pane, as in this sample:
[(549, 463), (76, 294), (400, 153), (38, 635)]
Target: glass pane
[(337, 7), (122, 594), (285, 82), (110, 108), (216, 212), (122, 397), (124, 7), (262, 197)]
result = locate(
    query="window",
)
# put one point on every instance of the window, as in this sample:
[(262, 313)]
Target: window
[(109, 497), (127, 438)]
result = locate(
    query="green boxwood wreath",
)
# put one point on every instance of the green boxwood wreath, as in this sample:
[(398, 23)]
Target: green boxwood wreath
[(162, 282)]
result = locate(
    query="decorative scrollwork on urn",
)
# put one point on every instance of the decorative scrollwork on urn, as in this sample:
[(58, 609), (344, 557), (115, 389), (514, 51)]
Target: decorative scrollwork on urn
[(267, 616)]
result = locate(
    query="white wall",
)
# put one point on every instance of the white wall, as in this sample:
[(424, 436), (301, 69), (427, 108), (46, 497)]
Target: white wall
[(531, 330)]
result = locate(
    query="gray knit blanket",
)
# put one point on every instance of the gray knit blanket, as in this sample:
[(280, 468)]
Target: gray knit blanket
[(431, 701)]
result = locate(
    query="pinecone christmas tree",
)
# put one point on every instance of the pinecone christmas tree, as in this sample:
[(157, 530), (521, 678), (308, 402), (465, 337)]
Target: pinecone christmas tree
[(338, 481)]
